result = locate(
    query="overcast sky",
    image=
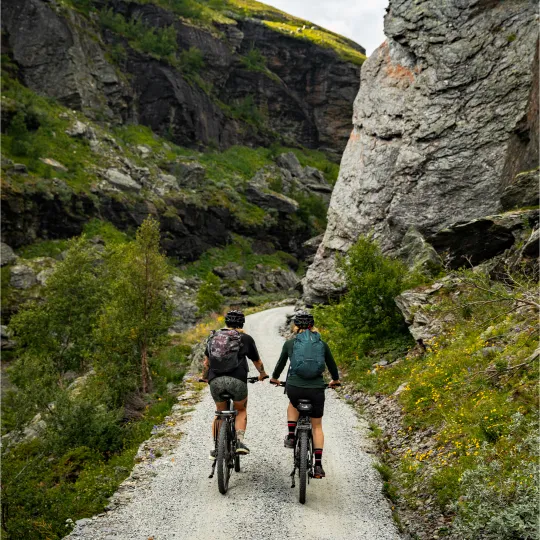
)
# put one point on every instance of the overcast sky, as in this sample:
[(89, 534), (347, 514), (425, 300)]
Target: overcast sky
[(360, 20)]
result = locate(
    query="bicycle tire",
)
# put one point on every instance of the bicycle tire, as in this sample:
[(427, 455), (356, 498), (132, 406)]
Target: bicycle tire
[(303, 465), (222, 460)]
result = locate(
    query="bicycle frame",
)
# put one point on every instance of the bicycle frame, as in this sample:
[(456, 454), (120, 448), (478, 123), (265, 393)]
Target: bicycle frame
[(304, 424), (228, 416)]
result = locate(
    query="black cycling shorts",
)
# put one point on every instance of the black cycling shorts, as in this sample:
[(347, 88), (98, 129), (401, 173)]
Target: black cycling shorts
[(315, 395)]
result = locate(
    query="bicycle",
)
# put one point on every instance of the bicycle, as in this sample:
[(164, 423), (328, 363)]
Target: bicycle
[(225, 442), (303, 449)]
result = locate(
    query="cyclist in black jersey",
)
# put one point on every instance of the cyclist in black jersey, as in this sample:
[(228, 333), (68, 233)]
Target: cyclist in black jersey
[(235, 381)]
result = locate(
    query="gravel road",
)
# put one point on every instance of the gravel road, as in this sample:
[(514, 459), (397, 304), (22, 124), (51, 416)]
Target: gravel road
[(181, 502)]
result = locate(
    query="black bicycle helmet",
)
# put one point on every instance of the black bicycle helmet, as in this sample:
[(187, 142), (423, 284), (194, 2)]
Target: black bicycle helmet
[(303, 319), (235, 319)]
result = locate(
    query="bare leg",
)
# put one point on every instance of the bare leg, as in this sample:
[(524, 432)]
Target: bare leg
[(318, 435), (220, 406), (292, 413), (241, 418)]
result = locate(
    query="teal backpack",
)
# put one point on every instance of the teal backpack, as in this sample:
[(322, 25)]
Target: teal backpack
[(307, 359)]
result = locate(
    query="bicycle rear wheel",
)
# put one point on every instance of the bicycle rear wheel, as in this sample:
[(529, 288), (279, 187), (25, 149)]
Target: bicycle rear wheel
[(223, 457), (303, 465)]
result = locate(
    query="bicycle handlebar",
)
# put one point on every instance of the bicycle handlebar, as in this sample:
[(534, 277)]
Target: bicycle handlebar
[(281, 383), (255, 379), (250, 379)]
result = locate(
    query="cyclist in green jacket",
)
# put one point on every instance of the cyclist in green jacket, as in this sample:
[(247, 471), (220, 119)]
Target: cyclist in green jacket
[(312, 389)]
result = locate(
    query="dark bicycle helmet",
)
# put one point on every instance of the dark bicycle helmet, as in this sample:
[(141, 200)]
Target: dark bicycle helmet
[(303, 319), (235, 319)]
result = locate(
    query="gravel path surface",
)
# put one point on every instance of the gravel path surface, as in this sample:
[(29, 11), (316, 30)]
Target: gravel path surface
[(181, 502)]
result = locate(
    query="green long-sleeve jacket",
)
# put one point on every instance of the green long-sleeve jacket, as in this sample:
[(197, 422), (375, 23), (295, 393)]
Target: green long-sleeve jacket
[(294, 380)]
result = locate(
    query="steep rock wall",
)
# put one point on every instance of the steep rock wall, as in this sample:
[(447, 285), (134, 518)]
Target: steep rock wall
[(441, 104), (305, 96)]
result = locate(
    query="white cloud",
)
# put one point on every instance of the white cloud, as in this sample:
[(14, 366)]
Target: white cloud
[(359, 20)]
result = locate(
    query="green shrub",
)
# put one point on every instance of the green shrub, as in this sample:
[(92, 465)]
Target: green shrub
[(500, 494), (367, 313), (159, 42), (209, 299), (254, 60), (191, 60), (245, 109), (312, 211)]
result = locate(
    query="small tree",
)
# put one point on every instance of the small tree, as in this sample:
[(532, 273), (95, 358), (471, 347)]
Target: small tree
[(208, 296), (137, 317), (58, 328)]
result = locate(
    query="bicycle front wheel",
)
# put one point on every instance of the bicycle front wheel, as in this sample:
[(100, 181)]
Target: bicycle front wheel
[(223, 457), (303, 465)]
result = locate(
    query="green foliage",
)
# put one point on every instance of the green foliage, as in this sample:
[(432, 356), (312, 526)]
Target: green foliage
[(254, 60), (367, 314), (159, 42), (246, 109), (209, 299), (108, 310), (55, 335), (191, 60), (476, 389), (238, 251), (37, 131), (136, 318), (105, 230), (322, 38), (312, 211), (500, 494), (43, 248)]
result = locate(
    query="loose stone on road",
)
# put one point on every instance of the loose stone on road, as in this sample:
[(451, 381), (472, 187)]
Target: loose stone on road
[(181, 502)]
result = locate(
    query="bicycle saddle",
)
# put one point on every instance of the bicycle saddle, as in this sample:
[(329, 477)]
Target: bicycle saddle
[(304, 401), (225, 396)]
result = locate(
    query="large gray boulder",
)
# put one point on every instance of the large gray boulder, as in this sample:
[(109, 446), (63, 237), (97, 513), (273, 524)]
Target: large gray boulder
[(439, 104), (230, 271), (419, 254), (7, 256), (416, 307), (22, 277), (289, 162), (189, 174), (479, 240), (268, 199), (121, 180), (523, 191)]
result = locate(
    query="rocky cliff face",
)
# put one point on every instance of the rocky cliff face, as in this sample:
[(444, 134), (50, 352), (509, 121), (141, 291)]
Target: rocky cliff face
[(294, 91), (444, 120)]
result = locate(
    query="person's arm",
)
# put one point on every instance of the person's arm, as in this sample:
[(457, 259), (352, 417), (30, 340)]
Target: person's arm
[(254, 353), (206, 369), (280, 365), (331, 365), (260, 368)]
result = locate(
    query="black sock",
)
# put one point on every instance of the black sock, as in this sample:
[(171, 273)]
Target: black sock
[(318, 456), (292, 428)]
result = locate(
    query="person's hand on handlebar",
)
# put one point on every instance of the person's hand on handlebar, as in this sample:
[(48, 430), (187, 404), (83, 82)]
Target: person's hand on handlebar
[(263, 375), (333, 384), (275, 382)]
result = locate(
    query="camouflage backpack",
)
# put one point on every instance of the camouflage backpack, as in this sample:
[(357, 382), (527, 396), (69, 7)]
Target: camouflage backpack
[(223, 348)]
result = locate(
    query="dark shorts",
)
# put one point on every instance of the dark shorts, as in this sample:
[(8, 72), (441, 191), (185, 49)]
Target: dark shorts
[(225, 384), (315, 395)]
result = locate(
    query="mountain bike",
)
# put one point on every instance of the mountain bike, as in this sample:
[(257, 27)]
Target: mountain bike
[(303, 449), (225, 442)]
